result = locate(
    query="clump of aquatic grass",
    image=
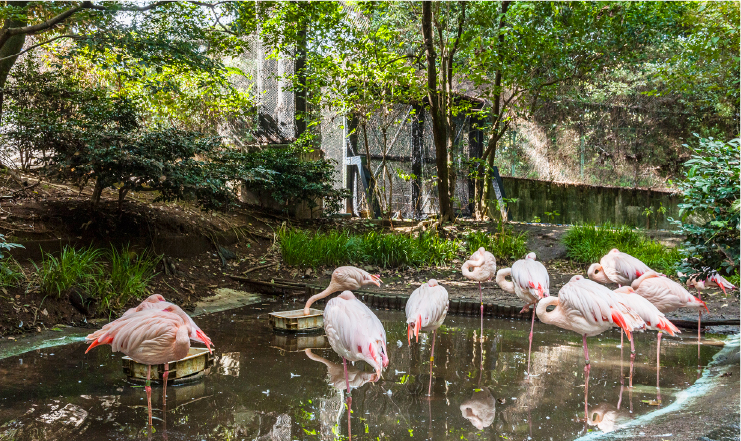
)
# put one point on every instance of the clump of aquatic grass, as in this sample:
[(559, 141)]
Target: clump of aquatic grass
[(588, 243), (11, 273), (301, 248), (506, 244), (74, 267), (129, 276)]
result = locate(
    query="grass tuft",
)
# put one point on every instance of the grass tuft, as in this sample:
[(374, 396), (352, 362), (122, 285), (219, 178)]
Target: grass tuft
[(72, 268), (588, 243), (129, 276), (506, 244), (11, 273)]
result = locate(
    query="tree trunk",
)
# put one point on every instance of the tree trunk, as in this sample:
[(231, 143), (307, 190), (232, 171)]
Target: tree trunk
[(300, 66), (97, 191), (476, 181), (418, 127), (12, 46), (439, 129)]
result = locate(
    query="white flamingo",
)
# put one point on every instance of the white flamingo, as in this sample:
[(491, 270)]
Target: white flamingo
[(426, 310), (617, 267), (345, 278), (481, 267), (530, 281)]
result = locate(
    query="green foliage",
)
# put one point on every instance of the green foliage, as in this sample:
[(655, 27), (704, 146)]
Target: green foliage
[(334, 248), (11, 273), (288, 178), (128, 277), (709, 215), (73, 268), (506, 244), (588, 243)]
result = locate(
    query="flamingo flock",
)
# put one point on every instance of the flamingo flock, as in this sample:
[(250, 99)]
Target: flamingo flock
[(158, 332)]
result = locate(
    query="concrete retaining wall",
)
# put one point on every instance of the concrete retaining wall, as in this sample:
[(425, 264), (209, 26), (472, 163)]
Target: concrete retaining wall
[(586, 203)]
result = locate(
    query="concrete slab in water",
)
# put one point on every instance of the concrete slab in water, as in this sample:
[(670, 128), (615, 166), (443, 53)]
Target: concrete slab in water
[(226, 298)]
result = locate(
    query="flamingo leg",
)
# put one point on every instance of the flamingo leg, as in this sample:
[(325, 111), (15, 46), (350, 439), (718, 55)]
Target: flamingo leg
[(481, 299), (530, 346), (432, 361), (347, 379), (658, 368), (622, 333), (586, 353), (164, 388), (586, 395), (148, 388), (349, 429)]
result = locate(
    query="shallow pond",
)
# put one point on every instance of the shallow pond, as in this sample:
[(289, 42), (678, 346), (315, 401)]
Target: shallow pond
[(264, 386)]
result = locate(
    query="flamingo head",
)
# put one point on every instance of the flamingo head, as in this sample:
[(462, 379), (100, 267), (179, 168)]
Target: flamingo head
[(155, 298), (377, 353), (614, 251), (375, 279), (597, 273), (530, 256), (625, 290), (432, 282), (576, 278)]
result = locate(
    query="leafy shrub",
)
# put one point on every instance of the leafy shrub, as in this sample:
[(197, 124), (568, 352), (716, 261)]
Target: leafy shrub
[(506, 244), (709, 215), (128, 278), (73, 268), (588, 243)]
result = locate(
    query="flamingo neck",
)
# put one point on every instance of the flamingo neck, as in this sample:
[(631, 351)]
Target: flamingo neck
[(502, 281), (330, 289), (542, 310)]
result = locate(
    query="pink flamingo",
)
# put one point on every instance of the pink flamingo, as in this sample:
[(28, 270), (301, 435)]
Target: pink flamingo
[(484, 269), (480, 409), (345, 278), (151, 336), (668, 296), (588, 308), (708, 278), (654, 319), (335, 376), (356, 334), (530, 281), (156, 301), (617, 267), (426, 310)]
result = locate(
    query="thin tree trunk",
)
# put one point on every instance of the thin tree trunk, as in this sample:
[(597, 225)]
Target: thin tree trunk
[(418, 126), (12, 46), (439, 131)]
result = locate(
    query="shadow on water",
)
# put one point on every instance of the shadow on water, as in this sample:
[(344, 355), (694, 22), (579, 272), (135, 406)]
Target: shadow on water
[(269, 387)]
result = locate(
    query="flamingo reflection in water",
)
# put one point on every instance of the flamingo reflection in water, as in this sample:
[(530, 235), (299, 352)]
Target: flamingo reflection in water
[(480, 409)]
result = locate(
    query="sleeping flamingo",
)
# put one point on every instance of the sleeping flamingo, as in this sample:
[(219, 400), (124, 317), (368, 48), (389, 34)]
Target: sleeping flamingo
[(426, 310), (484, 269), (668, 296), (654, 319), (531, 283), (617, 267), (335, 376), (480, 409), (345, 278), (152, 336), (588, 308)]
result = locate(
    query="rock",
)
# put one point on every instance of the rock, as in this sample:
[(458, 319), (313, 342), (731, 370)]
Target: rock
[(308, 272)]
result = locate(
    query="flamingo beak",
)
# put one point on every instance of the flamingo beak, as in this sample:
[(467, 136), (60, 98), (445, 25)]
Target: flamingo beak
[(204, 338), (409, 334), (376, 279), (721, 287), (416, 328)]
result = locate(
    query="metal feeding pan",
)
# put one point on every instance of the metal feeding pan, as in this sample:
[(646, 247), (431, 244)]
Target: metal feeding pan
[(195, 365), (296, 321)]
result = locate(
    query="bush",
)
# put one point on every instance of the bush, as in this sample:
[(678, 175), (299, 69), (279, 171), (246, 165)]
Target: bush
[(73, 268), (709, 215), (506, 244), (129, 277), (588, 243)]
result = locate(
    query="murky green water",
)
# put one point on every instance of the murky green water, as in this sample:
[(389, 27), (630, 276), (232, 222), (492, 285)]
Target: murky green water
[(265, 387)]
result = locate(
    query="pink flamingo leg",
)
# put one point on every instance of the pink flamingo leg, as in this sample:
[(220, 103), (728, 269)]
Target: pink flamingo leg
[(530, 346), (586, 395), (148, 388), (586, 353), (164, 387), (481, 299), (658, 368), (432, 361), (699, 319), (347, 379)]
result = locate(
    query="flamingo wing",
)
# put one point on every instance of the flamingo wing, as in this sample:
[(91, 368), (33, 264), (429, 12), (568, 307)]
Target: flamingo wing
[(624, 265), (586, 301), (354, 331), (532, 276)]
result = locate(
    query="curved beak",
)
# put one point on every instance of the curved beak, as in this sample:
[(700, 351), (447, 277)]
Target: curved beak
[(204, 338)]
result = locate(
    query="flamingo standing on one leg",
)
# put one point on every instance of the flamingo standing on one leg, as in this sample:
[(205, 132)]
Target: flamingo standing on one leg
[(151, 337), (708, 278), (426, 310), (356, 334), (530, 281), (654, 319), (345, 278), (617, 267), (668, 296), (481, 267), (588, 308)]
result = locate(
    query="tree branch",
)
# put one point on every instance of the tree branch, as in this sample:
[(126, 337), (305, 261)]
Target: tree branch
[(40, 44)]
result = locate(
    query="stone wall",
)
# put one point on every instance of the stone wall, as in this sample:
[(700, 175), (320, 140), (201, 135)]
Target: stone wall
[(578, 203)]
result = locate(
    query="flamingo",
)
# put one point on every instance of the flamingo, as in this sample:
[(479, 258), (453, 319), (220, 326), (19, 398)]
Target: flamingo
[(588, 308), (480, 409), (617, 267), (426, 310), (484, 269), (654, 319), (668, 296), (708, 278), (151, 336), (531, 283), (345, 278), (335, 376)]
